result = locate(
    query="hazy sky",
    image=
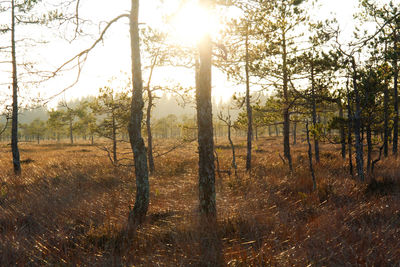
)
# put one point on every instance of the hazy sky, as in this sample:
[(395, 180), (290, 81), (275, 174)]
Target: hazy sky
[(113, 56)]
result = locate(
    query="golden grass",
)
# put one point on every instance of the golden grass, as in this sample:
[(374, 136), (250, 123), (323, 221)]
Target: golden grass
[(70, 206)]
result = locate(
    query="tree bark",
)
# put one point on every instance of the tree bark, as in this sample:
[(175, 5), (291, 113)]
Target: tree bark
[(386, 122), (205, 130), (114, 138), (314, 112), (71, 135), (14, 123), (357, 126), (211, 251), (248, 106), (294, 133), (234, 165), (152, 167), (310, 158), (349, 129), (395, 95), (369, 144), (286, 115), (342, 130), (139, 211)]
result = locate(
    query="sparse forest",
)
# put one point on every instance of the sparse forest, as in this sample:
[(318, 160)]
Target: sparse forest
[(237, 133)]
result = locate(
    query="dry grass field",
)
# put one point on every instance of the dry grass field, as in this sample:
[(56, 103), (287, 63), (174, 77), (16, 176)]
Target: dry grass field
[(70, 206)]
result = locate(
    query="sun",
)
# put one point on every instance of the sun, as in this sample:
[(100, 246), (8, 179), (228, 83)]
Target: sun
[(192, 22)]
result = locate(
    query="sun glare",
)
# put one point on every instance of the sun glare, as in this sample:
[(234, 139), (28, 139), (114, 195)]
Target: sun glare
[(192, 22)]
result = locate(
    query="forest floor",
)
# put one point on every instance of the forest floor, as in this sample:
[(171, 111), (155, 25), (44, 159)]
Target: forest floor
[(70, 207)]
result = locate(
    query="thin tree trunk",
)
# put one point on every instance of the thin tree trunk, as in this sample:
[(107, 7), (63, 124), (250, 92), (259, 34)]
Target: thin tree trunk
[(395, 95), (139, 211), (294, 133), (149, 134), (310, 158), (357, 126), (369, 144), (286, 115), (314, 112), (342, 130), (152, 167), (349, 129), (386, 122), (14, 123), (234, 165), (114, 139), (71, 136), (248, 106)]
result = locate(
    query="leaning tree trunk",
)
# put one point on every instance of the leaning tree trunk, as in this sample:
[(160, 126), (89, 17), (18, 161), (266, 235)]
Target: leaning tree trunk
[(14, 124), (248, 106), (139, 211), (395, 95), (357, 126)]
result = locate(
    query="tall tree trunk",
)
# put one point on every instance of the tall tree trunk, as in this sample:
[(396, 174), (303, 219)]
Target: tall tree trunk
[(205, 130), (314, 111), (149, 133), (349, 129), (369, 144), (139, 211), (286, 115), (71, 135), (211, 252), (395, 94), (342, 130), (234, 165), (386, 122), (310, 158), (248, 106), (357, 126), (114, 138), (294, 133), (152, 167), (14, 124)]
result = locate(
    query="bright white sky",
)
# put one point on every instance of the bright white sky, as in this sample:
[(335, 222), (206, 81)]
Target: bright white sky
[(113, 56)]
